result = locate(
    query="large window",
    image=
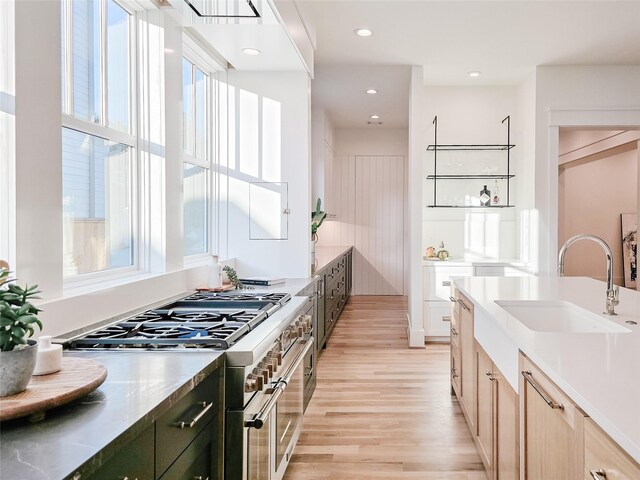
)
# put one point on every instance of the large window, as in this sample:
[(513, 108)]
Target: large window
[(98, 137), (197, 153)]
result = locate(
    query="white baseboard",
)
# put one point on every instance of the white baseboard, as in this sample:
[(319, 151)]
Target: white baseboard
[(415, 336)]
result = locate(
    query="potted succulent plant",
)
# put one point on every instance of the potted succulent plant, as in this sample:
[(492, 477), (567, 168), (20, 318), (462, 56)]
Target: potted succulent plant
[(18, 318), (317, 217)]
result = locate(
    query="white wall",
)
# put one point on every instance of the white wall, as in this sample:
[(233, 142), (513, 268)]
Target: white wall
[(417, 144), (574, 96), (270, 142), (38, 145), (471, 115), (370, 141), (593, 192)]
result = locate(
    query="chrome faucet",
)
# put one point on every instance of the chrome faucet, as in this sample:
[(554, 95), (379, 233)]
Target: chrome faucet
[(613, 292)]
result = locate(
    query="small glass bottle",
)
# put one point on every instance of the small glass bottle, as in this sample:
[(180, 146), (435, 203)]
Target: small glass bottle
[(442, 253), (485, 197)]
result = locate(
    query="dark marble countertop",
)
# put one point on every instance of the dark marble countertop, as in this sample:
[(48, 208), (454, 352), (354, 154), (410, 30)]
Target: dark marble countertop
[(140, 386)]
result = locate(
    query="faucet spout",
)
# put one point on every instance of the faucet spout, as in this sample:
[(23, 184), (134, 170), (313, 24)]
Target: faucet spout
[(612, 291)]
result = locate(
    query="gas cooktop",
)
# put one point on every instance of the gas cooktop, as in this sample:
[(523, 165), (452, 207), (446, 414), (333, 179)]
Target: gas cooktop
[(200, 320), (279, 298)]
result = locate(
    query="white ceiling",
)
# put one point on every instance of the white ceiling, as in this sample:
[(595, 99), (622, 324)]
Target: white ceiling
[(340, 90), (505, 40), (229, 36)]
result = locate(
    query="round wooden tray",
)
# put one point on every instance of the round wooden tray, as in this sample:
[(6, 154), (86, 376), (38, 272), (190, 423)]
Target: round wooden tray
[(78, 377)]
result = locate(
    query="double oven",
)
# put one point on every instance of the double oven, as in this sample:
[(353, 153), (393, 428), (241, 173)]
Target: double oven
[(264, 416), (270, 359)]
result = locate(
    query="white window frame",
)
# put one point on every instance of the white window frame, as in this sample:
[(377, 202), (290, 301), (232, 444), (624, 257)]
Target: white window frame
[(201, 57), (101, 130), (7, 132)]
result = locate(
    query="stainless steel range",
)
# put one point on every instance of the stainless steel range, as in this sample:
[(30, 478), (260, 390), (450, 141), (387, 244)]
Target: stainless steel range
[(266, 337)]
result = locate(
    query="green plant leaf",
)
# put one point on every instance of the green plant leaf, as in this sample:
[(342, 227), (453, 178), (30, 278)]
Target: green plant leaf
[(17, 331), (5, 322)]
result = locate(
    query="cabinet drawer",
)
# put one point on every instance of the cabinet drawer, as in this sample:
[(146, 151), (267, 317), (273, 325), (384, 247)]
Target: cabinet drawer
[(171, 440), (437, 319), (604, 455), (199, 458), (569, 412), (134, 460), (436, 280)]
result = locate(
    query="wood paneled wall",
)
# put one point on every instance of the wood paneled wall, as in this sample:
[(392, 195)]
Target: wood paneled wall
[(368, 200)]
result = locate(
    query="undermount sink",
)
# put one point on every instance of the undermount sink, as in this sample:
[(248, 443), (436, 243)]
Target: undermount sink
[(558, 316)]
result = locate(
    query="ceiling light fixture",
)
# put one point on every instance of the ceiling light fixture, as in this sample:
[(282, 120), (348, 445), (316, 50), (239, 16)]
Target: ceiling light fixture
[(474, 74), (363, 32), (371, 91), (374, 117), (251, 51)]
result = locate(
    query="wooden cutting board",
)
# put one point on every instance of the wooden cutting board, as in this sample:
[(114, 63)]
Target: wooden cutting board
[(78, 377), (224, 288)]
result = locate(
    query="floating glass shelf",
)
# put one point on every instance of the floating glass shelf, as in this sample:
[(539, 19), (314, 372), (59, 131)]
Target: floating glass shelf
[(458, 177), (458, 148), (470, 206)]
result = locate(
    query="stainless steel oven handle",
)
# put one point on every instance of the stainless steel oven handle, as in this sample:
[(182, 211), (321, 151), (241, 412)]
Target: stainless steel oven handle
[(286, 378), (259, 419)]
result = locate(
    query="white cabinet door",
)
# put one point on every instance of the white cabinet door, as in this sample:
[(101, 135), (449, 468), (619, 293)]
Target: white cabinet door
[(437, 319), (436, 280)]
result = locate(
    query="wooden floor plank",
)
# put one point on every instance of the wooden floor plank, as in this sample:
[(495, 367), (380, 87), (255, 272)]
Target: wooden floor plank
[(382, 411)]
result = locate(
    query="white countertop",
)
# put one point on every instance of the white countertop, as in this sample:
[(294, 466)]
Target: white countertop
[(599, 371)]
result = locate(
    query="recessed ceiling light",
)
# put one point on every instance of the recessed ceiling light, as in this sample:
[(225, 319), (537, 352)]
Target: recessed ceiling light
[(371, 91), (363, 32), (474, 74), (251, 51), (374, 117)]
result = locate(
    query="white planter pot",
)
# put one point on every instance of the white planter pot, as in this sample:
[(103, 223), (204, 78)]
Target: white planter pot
[(16, 368)]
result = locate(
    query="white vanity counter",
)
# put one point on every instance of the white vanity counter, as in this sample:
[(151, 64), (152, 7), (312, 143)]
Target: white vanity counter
[(599, 371)]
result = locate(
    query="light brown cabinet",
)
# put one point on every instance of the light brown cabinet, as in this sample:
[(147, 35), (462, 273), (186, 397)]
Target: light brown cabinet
[(497, 420), (462, 355), (485, 388), (551, 428), (604, 459)]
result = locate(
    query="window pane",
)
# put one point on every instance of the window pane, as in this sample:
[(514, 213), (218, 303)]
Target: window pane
[(117, 67), (86, 60), (201, 111), (187, 106), (96, 203), (195, 209)]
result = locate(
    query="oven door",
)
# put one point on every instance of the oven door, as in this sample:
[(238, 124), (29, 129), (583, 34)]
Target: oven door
[(272, 432)]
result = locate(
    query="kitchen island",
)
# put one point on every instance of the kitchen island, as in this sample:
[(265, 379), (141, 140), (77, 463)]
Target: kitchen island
[(598, 370), (78, 439)]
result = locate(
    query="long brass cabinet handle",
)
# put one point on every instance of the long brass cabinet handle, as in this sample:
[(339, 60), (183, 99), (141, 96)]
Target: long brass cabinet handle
[(446, 318), (452, 299), (599, 474), (192, 422), (529, 378), (453, 331)]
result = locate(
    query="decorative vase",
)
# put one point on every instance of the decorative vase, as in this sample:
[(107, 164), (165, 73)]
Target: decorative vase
[(16, 368)]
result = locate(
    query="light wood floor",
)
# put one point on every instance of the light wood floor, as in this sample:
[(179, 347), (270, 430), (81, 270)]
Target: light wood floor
[(380, 409)]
